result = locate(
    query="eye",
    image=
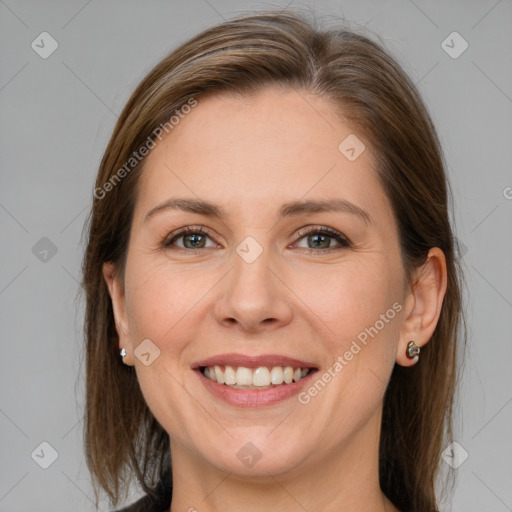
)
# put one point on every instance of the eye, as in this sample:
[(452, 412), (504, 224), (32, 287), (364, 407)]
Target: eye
[(193, 238), (319, 239)]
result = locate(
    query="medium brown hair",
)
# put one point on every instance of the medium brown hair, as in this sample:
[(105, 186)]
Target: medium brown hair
[(374, 95)]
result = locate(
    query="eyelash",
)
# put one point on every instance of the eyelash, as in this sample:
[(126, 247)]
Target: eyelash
[(320, 230)]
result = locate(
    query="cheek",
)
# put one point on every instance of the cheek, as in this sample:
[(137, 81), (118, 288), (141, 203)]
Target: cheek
[(157, 298), (158, 306), (362, 309), (352, 297)]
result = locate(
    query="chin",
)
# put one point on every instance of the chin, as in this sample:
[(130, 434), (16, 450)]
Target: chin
[(258, 458)]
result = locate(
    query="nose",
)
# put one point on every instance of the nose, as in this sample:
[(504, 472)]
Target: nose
[(254, 296)]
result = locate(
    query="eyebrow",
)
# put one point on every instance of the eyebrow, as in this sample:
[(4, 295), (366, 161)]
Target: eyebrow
[(290, 209)]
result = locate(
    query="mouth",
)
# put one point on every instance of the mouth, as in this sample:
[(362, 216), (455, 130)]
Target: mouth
[(254, 380)]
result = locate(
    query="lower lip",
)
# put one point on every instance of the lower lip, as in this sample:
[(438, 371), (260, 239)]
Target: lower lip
[(254, 397)]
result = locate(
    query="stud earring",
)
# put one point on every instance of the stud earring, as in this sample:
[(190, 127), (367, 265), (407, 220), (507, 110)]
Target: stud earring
[(123, 353), (413, 351)]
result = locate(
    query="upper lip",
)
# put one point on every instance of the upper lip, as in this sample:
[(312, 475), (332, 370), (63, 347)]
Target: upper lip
[(268, 360)]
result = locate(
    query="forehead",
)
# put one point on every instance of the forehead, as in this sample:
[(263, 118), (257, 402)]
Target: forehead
[(252, 152)]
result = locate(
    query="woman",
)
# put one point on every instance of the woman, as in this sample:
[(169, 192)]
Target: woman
[(272, 283)]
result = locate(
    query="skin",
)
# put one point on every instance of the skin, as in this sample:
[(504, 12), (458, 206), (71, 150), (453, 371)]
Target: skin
[(251, 155)]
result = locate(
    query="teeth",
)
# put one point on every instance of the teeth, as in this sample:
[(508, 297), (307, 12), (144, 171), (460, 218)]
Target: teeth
[(276, 375), (251, 378), (243, 376), (219, 375), (230, 376), (261, 377)]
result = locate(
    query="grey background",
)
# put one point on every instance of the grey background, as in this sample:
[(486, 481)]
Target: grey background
[(57, 115)]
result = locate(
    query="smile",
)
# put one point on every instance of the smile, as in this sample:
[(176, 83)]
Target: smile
[(253, 381)]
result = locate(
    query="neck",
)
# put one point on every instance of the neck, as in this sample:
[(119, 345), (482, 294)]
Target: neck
[(345, 480)]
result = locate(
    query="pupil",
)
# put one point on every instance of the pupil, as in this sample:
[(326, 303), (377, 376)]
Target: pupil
[(318, 237), (194, 238)]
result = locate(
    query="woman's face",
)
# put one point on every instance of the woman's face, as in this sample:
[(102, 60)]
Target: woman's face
[(260, 284)]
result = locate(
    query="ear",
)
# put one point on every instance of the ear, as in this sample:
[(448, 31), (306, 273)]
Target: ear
[(423, 304), (117, 296)]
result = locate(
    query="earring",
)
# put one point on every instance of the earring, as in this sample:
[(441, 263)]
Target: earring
[(123, 353), (413, 351)]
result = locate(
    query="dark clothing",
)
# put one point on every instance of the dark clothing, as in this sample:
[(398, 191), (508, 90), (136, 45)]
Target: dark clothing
[(159, 503)]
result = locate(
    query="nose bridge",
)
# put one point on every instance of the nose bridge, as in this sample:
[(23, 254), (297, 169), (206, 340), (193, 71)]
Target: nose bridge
[(252, 294), (251, 279)]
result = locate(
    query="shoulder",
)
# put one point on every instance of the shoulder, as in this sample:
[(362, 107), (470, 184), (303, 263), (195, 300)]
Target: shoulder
[(159, 502), (145, 504)]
